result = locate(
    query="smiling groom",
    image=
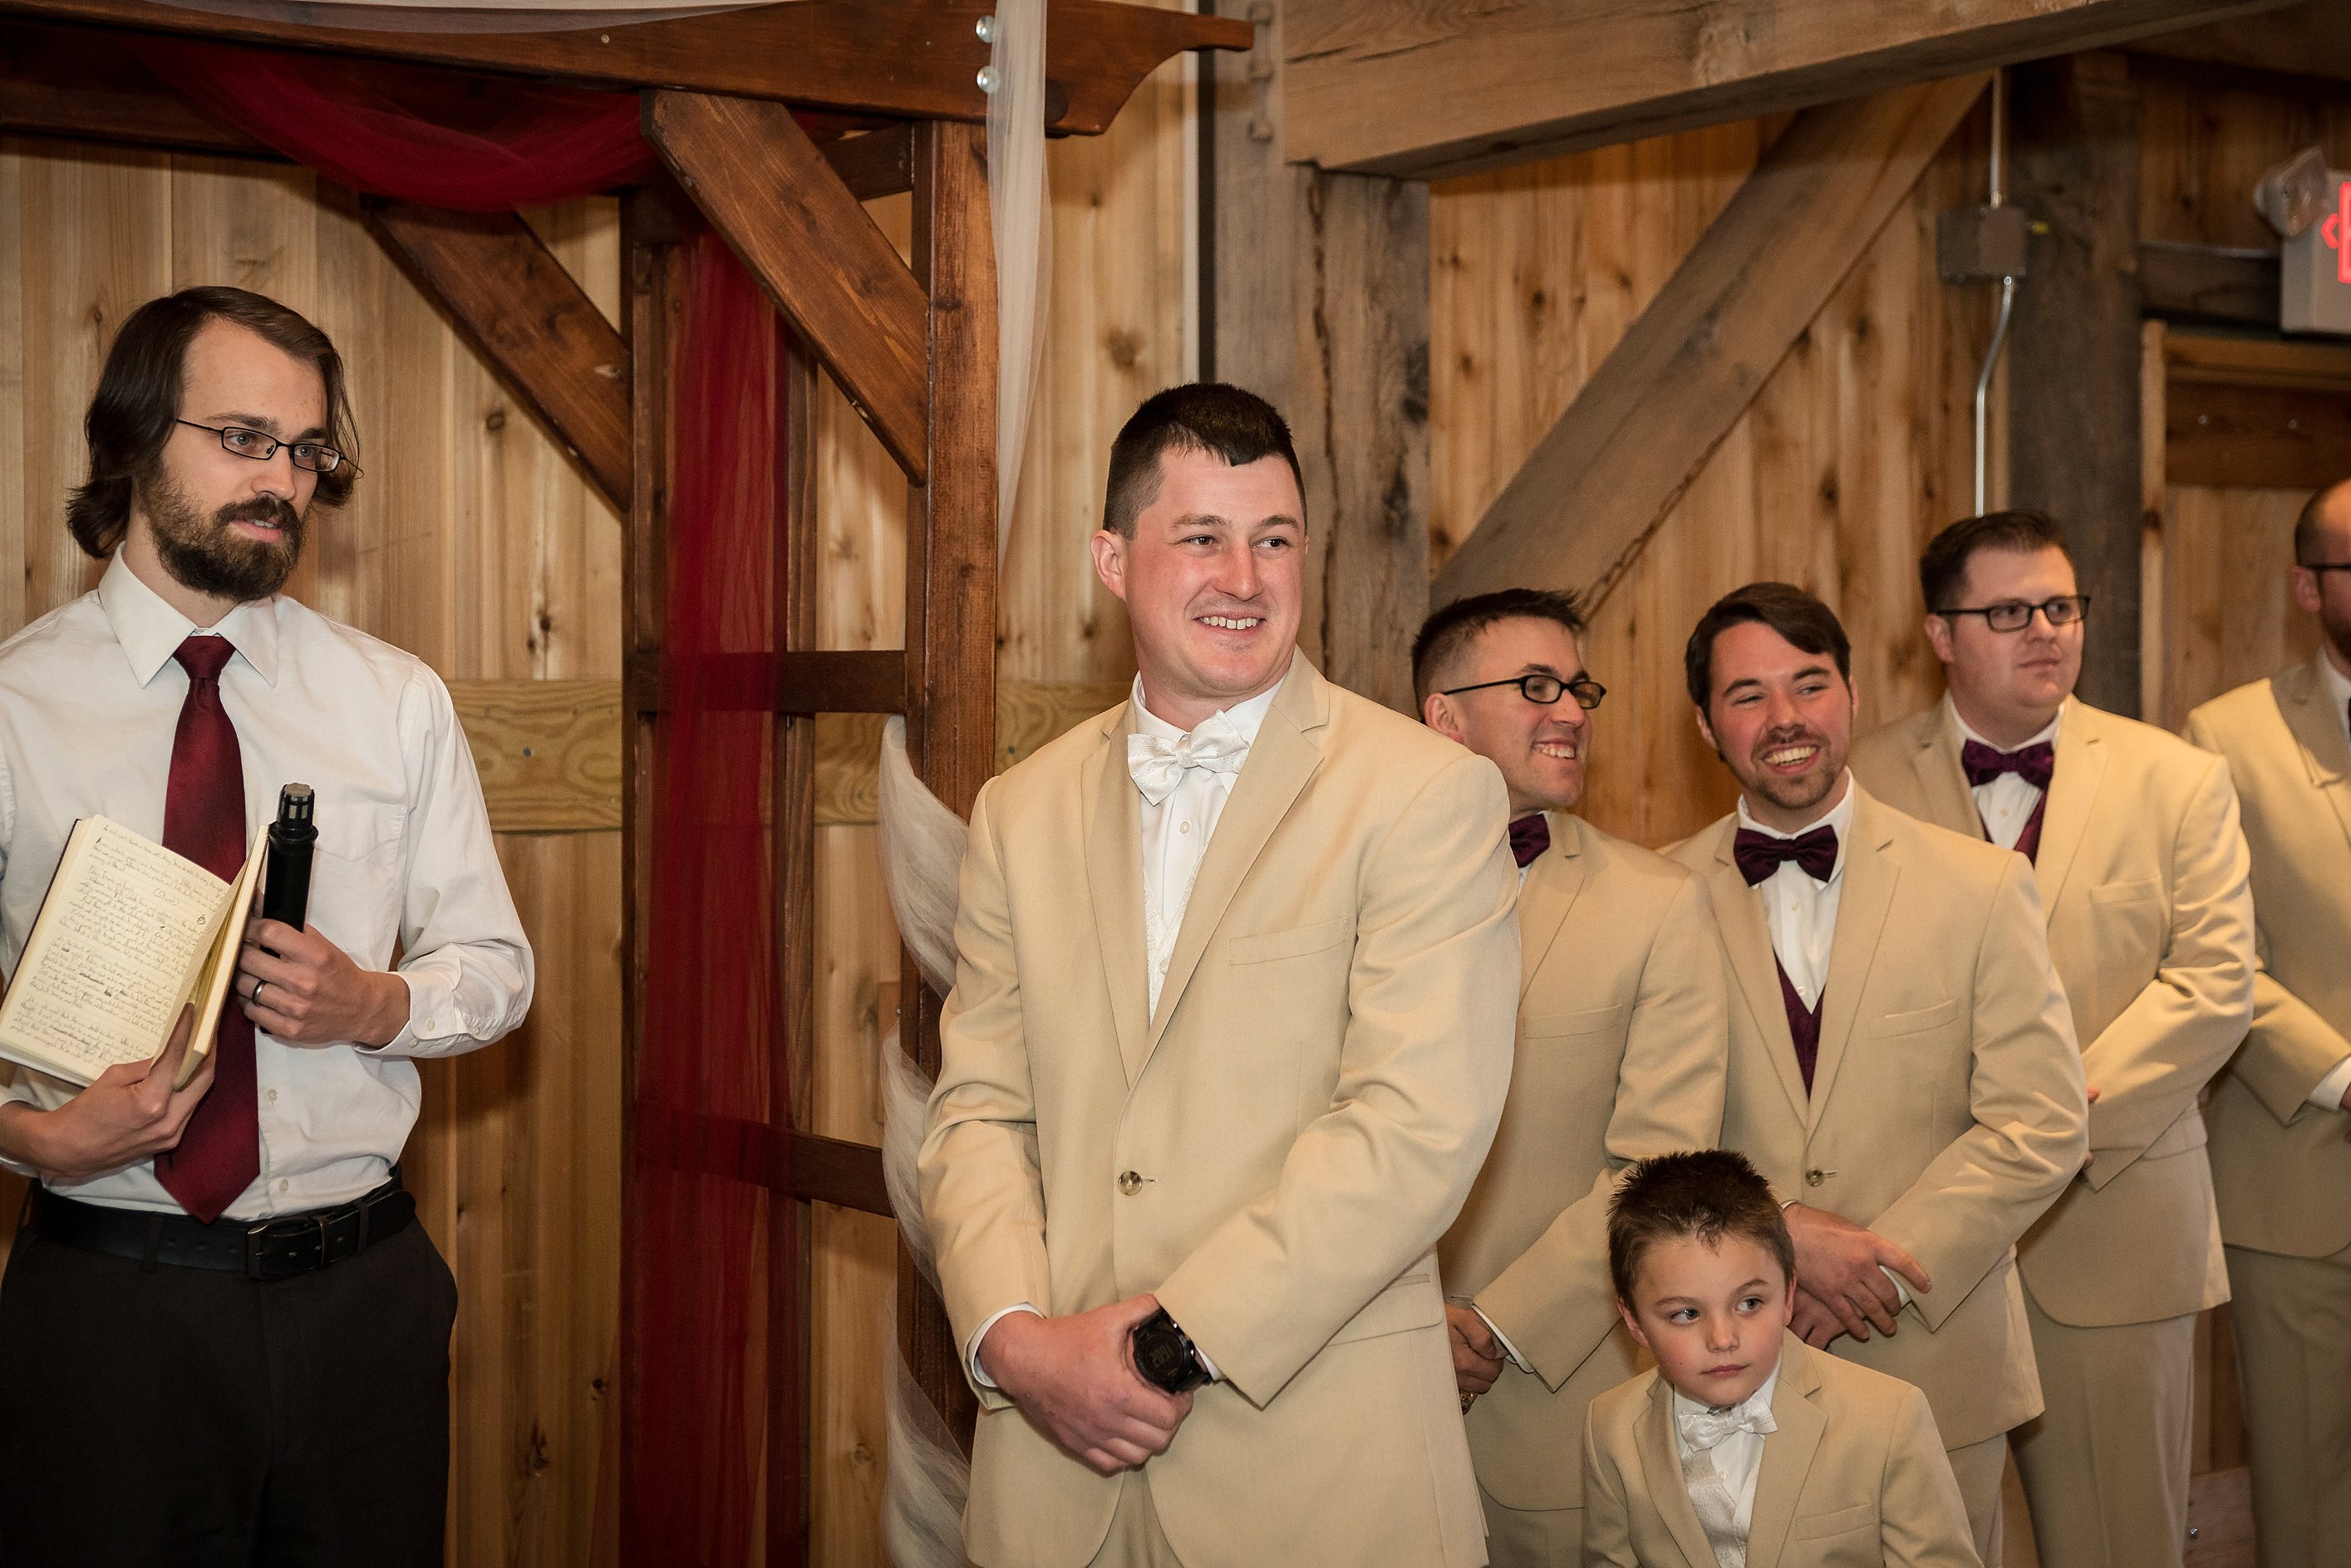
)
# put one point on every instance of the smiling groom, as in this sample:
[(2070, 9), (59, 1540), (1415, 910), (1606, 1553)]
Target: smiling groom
[(1230, 1032)]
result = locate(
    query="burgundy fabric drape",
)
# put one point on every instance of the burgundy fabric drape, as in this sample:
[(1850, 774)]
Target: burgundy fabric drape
[(706, 1243)]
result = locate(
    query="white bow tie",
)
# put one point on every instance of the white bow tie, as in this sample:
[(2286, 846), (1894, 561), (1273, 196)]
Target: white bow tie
[(1158, 764), (1702, 1431)]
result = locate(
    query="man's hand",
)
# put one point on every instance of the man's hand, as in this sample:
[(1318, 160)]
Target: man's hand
[(305, 990), (1813, 1323), (1843, 1266), (1075, 1377), (130, 1113), (1476, 1353)]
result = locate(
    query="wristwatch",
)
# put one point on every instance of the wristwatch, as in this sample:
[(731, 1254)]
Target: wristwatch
[(1165, 1356)]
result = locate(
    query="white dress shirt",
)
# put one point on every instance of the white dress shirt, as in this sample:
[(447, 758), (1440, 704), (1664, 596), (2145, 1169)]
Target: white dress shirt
[(1801, 913), (1737, 1460), (2328, 1095), (90, 699), (2006, 803)]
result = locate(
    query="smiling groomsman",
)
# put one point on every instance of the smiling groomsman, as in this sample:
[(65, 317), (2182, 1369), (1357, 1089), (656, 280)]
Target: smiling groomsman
[(1902, 1065), (1621, 1042), (2134, 841)]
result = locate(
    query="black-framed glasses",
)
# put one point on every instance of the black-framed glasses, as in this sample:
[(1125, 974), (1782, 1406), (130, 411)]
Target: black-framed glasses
[(2015, 614), (1544, 690), (2323, 567), (261, 446)]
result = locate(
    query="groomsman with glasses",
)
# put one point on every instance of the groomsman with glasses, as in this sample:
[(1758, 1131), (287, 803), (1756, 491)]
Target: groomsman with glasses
[(2134, 841)]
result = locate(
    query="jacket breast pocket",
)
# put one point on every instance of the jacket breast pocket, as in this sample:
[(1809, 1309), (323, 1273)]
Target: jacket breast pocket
[(2114, 893), (1838, 1522), (1591, 1021), (1266, 947), (1916, 1021)]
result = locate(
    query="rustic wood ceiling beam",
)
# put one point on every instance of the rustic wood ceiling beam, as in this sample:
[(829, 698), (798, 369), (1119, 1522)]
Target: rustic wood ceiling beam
[(1495, 85), (77, 84), (813, 247), (2312, 39), (910, 59), (1605, 476)]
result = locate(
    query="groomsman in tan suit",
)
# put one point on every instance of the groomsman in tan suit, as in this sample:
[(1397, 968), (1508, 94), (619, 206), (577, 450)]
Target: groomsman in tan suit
[(1229, 1036), (2134, 840), (1902, 1062), (2282, 1112), (1621, 1054)]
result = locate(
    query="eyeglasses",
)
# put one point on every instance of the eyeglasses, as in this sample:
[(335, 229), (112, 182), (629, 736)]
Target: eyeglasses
[(261, 446), (1545, 690), (2015, 614), (2323, 566)]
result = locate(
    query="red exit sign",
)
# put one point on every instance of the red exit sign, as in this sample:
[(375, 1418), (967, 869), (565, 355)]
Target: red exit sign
[(2316, 295)]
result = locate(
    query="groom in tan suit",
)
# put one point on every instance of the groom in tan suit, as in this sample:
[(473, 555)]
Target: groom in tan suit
[(1621, 1053), (2134, 840), (1229, 1036), (2282, 1112), (1902, 1063)]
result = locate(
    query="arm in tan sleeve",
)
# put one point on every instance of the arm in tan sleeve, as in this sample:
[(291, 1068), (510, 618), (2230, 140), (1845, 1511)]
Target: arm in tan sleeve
[(1554, 1302), (1922, 1518), (1990, 1184), (1370, 1185), (2152, 1062), (1607, 1518), (983, 1195)]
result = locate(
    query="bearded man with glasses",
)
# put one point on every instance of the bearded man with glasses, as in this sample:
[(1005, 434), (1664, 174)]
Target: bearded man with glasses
[(228, 1336), (2142, 869), (1621, 1047)]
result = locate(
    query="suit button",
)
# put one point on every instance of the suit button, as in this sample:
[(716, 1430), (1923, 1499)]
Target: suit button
[(1814, 1177), (1129, 1183)]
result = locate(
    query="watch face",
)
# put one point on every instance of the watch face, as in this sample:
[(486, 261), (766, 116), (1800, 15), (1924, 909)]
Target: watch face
[(1164, 1359)]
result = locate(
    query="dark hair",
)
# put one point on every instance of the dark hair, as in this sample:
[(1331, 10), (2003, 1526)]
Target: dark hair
[(1449, 631), (1203, 416), (138, 400), (1943, 564), (1788, 609), (2312, 518), (1704, 1195)]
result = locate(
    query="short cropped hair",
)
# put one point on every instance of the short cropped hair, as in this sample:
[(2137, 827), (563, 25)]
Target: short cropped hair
[(2308, 548), (1788, 609), (1704, 1195), (1449, 631), (138, 401), (1943, 564), (1204, 416)]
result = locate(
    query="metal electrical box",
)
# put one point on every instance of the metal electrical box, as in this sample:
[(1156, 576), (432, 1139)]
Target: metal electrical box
[(2316, 268)]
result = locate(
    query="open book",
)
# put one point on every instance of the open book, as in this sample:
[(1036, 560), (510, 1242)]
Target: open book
[(128, 933)]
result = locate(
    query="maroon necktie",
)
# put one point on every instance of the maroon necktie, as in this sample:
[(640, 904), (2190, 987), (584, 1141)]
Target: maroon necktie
[(203, 819), (1529, 836), (1760, 854), (2035, 764)]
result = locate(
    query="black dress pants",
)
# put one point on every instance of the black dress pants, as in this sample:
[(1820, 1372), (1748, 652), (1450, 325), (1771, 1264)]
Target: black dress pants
[(199, 1420)]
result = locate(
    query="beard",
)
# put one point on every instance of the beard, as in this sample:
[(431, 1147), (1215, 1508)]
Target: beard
[(204, 557), (1801, 793)]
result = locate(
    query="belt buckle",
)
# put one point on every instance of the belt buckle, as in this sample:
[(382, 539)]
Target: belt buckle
[(289, 1228)]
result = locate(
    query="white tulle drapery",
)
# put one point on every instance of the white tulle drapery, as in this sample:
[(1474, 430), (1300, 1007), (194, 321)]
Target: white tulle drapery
[(1020, 215)]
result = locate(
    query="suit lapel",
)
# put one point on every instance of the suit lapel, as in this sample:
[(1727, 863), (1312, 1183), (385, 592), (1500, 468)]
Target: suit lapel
[(2302, 698), (1747, 942), (1863, 902), (1114, 874), (1949, 802), (1661, 1463), (2072, 792), (1283, 758), (1788, 1455), (1552, 884)]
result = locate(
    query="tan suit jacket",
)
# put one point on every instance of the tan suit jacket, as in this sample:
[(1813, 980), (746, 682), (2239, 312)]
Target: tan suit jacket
[(1855, 1477), (1947, 1109), (2143, 872), (1275, 1153), (1621, 1054), (2280, 1163)]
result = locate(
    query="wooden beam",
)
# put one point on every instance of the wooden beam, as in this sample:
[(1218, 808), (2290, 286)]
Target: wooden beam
[(549, 752), (1027, 715), (913, 58), (507, 294), (2254, 413), (812, 246), (804, 1166), (2312, 39), (833, 681), (878, 163), (2232, 284), (1490, 84), (2074, 379), (77, 85), (1606, 475)]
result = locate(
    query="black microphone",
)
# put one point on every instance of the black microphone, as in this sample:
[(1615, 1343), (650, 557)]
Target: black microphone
[(286, 891)]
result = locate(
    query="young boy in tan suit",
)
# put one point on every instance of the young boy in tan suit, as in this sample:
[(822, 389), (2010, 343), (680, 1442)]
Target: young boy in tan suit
[(2134, 840), (1744, 1447), (1621, 1043)]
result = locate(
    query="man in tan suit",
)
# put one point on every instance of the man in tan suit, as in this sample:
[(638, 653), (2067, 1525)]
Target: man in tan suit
[(1901, 1055), (2279, 1160), (1229, 1036), (1621, 1053), (2134, 844)]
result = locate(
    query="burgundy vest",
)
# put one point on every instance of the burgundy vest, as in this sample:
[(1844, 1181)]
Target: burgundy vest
[(1803, 1023)]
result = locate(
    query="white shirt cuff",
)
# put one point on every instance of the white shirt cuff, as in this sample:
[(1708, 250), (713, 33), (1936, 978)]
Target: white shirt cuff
[(1901, 1288), (1501, 1338), (2328, 1095), (971, 1355)]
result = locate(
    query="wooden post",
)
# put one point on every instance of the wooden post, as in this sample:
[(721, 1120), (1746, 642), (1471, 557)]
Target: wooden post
[(2074, 363)]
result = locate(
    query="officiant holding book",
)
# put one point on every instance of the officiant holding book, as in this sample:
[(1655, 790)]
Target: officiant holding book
[(226, 1336)]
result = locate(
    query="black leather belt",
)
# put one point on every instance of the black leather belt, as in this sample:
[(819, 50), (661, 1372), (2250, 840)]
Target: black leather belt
[(275, 1248)]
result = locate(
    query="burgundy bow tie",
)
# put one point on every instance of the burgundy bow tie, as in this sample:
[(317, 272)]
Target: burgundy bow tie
[(2034, 764), (1760, 854), (1529, 836)]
